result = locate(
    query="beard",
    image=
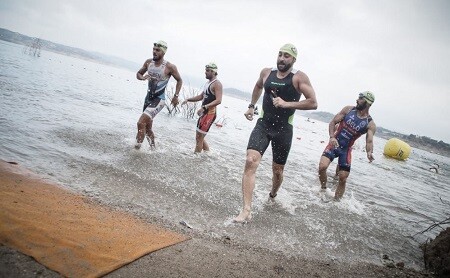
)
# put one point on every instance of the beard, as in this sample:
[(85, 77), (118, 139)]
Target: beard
[(283, 67), (156, 58), (361, 106)]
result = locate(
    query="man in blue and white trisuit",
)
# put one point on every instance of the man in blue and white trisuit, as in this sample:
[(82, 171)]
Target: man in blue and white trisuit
[(283, 86), (158, 72), (347, 126)]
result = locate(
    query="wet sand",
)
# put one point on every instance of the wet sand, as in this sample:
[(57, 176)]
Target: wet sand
[(203, 256)]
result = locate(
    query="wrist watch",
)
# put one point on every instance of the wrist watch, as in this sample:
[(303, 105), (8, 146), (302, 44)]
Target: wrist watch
[(251, 105)]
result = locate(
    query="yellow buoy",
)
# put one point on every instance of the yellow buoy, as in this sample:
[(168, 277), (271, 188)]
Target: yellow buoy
[(397, 149)]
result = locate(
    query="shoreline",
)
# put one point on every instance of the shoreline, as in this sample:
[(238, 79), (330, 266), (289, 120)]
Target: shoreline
[(205, 256)]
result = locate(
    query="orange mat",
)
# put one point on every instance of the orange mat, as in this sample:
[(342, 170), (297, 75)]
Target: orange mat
[(66, 232)]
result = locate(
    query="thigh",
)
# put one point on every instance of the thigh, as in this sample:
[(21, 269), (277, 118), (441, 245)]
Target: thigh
[(345, 159), (259, 138), (204, 123), (281, 144), (154, 107)]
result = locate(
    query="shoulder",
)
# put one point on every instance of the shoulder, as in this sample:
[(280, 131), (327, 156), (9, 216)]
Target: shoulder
[(372, 124), (266, 71), (300, 75), (168, 64), (216, 85), (148, 62), (171, 67), (347, 109)]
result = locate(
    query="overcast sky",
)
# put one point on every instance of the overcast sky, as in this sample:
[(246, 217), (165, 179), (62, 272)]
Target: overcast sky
[(399, 49)]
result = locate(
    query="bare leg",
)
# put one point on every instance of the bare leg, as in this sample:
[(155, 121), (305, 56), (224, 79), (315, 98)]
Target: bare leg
[(323, 166), (150, 135), (205, 146), (248, 185), (337, 170), (200, 143), (343, 175), (277, 178), (142, 129)]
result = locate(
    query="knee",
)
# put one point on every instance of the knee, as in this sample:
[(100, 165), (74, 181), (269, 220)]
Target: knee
[(141, 125), (251, 161), (198, 137), (322, 167), (278, 173), (343, 177)]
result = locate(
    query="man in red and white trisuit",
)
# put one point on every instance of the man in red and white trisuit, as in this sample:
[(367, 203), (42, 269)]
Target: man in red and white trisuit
[(211, 96)]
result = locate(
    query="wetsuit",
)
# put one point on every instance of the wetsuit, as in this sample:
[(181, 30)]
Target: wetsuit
[(155, 99), (206, 120), (348, 130), (275, 123)]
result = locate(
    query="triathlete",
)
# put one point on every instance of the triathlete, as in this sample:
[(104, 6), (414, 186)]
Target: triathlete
[(283, 86), (347, 126)]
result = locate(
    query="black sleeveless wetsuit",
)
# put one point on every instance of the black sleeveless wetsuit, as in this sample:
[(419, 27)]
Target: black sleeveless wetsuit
[(275, 124)]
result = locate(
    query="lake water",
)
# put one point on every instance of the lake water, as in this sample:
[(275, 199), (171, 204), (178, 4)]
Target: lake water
[(74, 122)]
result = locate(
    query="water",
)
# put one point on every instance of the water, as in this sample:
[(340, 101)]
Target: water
[(74, 122)]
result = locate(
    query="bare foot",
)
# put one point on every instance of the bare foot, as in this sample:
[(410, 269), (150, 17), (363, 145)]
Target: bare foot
[(152, 145), (151, 141), (137, 146), (244, 216)]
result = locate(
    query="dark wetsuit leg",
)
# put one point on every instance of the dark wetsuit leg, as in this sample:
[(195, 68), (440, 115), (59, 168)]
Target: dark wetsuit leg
[(281, 143), (281, 137), (259, 139)]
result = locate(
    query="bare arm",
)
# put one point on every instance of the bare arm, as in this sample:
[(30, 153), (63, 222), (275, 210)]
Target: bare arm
[(303, 86), (140, 75), (369, 140), (257, 90), (193, 99), (173, 71)]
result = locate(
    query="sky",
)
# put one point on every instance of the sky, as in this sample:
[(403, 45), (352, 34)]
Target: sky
[(398, 49)]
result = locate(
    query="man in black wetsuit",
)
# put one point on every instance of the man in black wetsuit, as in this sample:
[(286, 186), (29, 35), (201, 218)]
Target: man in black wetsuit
[(283, 86)]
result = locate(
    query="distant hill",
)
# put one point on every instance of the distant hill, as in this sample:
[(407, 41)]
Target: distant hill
[(18, 38), (231, 92)]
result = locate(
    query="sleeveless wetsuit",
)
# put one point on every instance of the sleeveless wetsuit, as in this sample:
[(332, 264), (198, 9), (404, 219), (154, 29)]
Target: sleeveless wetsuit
[(155, 99), (206, 120), (349, 129), (275, 124)]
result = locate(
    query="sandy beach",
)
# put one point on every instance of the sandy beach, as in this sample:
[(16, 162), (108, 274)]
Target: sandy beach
[(202, 256)]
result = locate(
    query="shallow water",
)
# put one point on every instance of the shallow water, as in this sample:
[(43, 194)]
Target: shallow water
[(74, 122)]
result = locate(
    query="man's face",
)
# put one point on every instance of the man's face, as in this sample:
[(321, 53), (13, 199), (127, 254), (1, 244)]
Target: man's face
[(361, 103), (209, 73), (285, 61), (158, 54)]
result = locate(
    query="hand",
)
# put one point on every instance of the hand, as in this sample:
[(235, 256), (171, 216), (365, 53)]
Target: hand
[(174, 101), (146, 77), (200, 111), (278, 102), (370, 157), (249, 114), (334, 142), (184, 102)]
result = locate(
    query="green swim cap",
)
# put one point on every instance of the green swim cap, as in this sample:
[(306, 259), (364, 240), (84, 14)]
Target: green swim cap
[(162, 45), (212, 66), (289, 49), (367, 96)]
